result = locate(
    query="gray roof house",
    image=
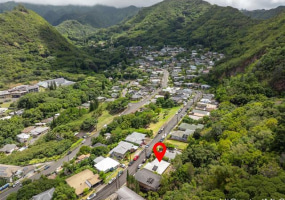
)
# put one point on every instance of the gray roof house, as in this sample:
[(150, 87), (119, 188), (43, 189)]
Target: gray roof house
[(181, 135), (58, 82), (136, 138), (148, 180), (185, 126), (8, 148), (124, 193), (47, 195), (98, 159), (122, 148)]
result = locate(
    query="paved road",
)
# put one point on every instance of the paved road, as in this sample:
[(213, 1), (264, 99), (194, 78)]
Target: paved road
[(58, 163), (110, 189)]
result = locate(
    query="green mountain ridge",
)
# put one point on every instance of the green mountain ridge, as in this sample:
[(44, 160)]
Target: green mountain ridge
[(31, 48), (264, 14), (96, 16)]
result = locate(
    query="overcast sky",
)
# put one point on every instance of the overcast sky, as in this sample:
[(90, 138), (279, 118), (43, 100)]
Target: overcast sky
[(241, 4)]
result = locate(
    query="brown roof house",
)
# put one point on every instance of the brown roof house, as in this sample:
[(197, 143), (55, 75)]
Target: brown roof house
[(82, 180)]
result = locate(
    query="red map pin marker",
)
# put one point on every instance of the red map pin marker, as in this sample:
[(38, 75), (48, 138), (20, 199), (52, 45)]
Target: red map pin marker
[(159, 154)]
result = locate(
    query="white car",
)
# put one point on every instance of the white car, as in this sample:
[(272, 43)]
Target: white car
[(91, 196), (140, 165)]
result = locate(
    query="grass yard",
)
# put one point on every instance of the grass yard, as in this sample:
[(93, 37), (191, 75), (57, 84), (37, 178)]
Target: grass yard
[(177, 144), (5, 104), (171, 112), (105, 118)]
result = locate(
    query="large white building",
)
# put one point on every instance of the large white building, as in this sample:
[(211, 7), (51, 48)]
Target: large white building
[(106, 165)]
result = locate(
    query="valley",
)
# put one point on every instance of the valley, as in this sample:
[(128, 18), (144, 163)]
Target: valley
[(83, 100)]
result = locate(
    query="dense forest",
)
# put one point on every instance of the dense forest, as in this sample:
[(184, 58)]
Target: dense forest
[(98, 16)]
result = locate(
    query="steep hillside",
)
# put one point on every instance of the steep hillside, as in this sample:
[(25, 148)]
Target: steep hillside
[(75, 31), (264, 14), (96, 16), (30, 47)]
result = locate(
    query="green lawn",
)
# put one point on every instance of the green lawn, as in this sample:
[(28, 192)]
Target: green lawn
[(105, 118), (163, 119), (177, 144), (6, 104)]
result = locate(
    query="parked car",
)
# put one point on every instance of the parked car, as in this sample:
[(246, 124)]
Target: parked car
[(179, 110), (161, 140), (111, 181), (46, 167), (140, 165), (91, 196), (146, 146), (136, 157), (69, 152), (16, 183), (130, 163), (143, 160), (148, 155), (120, 173), (123, 165), (83, 141)]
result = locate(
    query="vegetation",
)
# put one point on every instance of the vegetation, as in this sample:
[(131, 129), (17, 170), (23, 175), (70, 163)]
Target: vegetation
[(98, 16), (264, 14)]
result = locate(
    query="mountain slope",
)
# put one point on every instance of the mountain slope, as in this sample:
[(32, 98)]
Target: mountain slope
[(30, 47), (96, 16), (75, 31), (264, 14)]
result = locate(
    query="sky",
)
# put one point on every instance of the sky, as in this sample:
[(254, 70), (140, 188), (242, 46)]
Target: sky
[(240, 4)]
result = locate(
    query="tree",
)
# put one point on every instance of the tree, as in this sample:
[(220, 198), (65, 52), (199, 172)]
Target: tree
[(64, 192), (88, 124)]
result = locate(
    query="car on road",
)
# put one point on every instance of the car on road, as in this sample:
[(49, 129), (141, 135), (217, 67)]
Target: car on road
[(131, 162), (179, 110), (136, 157), (91, 196), (69, 152), (83, 141), (146, 146), (120, 173), (143, 160), (46, 167), (16, 183), (161, 140), (123, 165), (148, 155), (111, 181), (140, 165)]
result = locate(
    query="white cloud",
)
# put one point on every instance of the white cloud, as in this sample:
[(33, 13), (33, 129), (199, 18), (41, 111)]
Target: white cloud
[(241, 4)]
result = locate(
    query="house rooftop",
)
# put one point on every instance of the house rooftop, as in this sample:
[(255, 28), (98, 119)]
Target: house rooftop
[(98, 159), (185, 126), (123, 147), (83, 180), (136, 138), (6, 171), (106, 164), (148, 178), (156, 166), (47, 195), (8, 148), (125, 193)]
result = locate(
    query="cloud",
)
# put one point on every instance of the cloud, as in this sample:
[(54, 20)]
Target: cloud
[(249, 4), (240, 4)]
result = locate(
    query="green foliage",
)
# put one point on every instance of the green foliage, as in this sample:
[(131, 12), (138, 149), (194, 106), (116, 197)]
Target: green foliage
[(264, 14), (89, 124), (118, 105), (39, 151), (9, 129)]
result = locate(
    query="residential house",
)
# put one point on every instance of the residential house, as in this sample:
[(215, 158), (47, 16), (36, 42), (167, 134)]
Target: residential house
[(200, 113), (122, 148), (8, 171), (185, 126), (47, 195), (58, 82), (136, 138), (157, 167), (23, 137), (83, 180), (8, 148), (98, 159), (147, 180), (124, 193), (39, 131), (181, 135), (106, 165), (136, 97)]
